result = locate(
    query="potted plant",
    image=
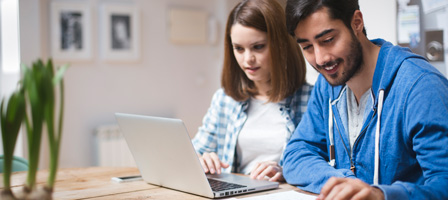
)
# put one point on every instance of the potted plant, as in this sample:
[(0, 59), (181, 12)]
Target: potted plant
[(39, 87)]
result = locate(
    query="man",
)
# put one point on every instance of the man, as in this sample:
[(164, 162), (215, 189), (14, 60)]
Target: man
[(376, 125)]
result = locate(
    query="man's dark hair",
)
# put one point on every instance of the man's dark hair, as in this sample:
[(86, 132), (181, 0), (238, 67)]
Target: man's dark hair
[(297, 10)]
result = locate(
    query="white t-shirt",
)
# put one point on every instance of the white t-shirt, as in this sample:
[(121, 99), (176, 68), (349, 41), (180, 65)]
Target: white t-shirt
[(263, 136)]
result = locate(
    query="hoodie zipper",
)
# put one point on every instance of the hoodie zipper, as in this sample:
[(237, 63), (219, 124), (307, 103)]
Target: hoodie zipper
[(352, 165)]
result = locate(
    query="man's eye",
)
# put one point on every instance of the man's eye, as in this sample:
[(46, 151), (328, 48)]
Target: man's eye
[(328, 40)]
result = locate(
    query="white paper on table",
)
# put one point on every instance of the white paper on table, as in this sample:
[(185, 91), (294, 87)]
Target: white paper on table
[(288, 195)]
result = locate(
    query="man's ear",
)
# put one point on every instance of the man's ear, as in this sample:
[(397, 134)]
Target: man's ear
[(357, 22)]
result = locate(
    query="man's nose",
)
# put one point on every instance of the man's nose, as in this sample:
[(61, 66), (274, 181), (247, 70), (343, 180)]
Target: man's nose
[(321, 55)]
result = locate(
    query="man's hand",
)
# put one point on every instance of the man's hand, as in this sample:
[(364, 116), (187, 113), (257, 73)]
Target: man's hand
[(348, 188), (270, 169), (211, 163)]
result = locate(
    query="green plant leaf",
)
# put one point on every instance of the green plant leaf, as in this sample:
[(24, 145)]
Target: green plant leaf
[(60, 74), (11, 120)]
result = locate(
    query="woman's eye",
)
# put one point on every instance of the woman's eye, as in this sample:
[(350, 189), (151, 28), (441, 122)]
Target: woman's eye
[(238, 48), (259, 46)]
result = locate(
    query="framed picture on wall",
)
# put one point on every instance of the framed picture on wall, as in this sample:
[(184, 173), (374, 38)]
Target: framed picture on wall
[(120, 34), (70, 31)]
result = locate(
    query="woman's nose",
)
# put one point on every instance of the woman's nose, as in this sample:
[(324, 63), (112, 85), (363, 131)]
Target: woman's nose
[(249, 57)]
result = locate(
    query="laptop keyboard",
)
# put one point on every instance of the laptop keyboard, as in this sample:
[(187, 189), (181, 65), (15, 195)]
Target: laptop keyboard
[(221, 185)]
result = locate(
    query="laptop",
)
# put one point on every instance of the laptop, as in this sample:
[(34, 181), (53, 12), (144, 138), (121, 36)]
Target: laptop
[(165, 156)]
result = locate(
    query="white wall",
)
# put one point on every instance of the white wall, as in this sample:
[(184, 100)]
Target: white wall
[(380, 19), (170, 80)]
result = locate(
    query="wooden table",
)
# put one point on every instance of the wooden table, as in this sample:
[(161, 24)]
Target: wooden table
[(95, 183)]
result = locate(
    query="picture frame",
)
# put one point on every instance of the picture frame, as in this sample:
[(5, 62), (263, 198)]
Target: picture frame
[(120, 33), (70, 31)]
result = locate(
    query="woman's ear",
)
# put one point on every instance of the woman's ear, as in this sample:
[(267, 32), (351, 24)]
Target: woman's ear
[(357, 22)]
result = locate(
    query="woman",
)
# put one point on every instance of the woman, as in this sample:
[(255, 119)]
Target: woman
[(263, 95)]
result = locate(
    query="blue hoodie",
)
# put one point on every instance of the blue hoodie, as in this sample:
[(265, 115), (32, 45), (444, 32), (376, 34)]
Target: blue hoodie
[(411, 97)]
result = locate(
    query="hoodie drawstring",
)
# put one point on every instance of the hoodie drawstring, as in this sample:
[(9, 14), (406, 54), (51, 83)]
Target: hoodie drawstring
[(331, 135), (377, 138)]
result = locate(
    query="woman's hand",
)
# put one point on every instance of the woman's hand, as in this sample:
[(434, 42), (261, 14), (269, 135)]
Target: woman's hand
[(270, 169), (211, 163)]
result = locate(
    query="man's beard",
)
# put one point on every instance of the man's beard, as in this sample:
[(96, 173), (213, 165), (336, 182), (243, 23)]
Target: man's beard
[(352, 64)]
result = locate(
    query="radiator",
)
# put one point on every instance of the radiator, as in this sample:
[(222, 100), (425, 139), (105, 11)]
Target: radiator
[(111, 148)]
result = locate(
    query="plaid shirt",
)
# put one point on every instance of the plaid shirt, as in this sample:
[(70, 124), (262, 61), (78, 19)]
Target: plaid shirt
[(225, 118)]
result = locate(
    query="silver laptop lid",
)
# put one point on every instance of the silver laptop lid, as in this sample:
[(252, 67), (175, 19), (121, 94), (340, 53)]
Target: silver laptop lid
[(165, 156), (163, 153)]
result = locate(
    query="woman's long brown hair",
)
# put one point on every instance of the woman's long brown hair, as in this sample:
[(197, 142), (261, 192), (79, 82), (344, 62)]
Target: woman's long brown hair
[(288, 67)]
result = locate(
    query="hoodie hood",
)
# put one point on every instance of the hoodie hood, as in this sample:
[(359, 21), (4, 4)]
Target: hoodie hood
[(392, 57)]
